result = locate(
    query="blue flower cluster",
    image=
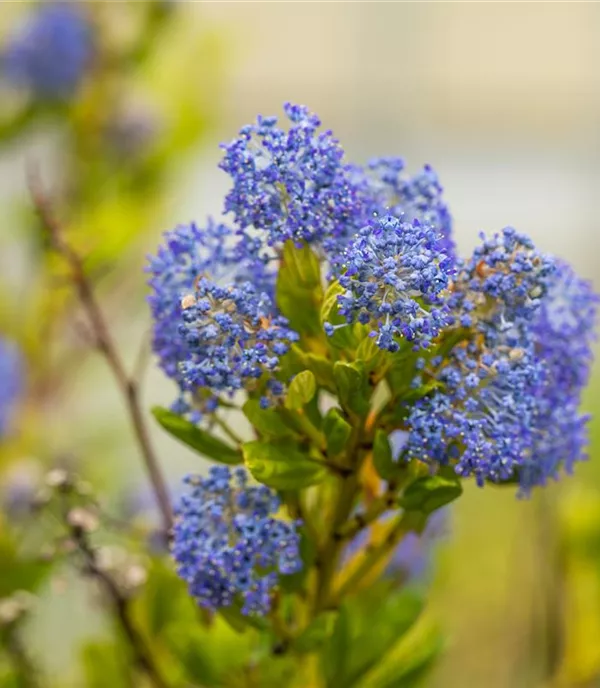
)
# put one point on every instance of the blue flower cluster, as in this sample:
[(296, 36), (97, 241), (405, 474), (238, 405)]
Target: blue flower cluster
[(11, 382), (564, 333), (394, 276), (232, 338), (412, 198), (228, 544), (498, 384), (188, 252), (51, 53), (290, 185)]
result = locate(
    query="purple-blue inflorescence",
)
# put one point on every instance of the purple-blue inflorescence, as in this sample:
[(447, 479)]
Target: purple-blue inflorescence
[(11, 383), (413, 198), (51, 53), (501, 391), (394, 276), (229, 545), (232, 338), (564, 331), (291, 184)]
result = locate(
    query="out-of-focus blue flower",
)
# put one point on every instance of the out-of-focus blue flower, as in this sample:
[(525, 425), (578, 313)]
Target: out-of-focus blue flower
[(564, 330), (49, 55), (11, 383), (394, 274), (228, 544)]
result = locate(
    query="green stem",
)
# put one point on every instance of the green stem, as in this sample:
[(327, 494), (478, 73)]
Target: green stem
[(301, 421), (409, 521), (227, 429)]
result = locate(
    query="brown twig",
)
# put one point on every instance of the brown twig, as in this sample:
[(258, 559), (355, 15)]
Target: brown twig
[(128, 385), (119, 602)]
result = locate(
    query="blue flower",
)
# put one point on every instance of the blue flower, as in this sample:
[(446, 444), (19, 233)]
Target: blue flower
[(233, 340), (394, 274), (51, 53), (291, 184), (228, 544), (189, 251), (483, 416), (11, 378), (412, 198), (564, 330)]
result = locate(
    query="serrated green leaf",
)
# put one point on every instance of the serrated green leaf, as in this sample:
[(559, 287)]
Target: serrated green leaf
[(266, 421), (352, 387), (199, 440), (298, 290), (430, 493), (281, 466), (301, 390), (337, 431), (382, 456)]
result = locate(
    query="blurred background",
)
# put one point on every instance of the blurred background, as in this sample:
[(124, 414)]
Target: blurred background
[(503, 100)]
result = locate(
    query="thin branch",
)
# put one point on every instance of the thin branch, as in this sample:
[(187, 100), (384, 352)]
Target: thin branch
[(119, 602), (128, 385)]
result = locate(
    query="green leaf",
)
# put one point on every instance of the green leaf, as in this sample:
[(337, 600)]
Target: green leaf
[(352, 387), (189, 646), (19, 571), (267, 421), (337, 432), (282, 466), (382, 456), (393, 618), (200, 440), (344, 337), (321, 367), (298, 290), (430, 493), (316, 633), (301, 390), (335, 655)]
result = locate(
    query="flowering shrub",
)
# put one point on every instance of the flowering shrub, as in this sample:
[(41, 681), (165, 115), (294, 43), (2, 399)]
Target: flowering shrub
[(376, 368)]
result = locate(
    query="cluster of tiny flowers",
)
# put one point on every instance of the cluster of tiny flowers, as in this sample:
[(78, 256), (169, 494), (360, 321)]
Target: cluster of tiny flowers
[(232, 339), (229, 546), (484, 416), (564, 333), (50, 54), (419, 197), (291, 184), (11, 378), (394, 274), (188, 252)]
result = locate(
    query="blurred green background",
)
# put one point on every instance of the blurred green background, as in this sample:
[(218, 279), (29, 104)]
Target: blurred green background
[(503, 100)]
